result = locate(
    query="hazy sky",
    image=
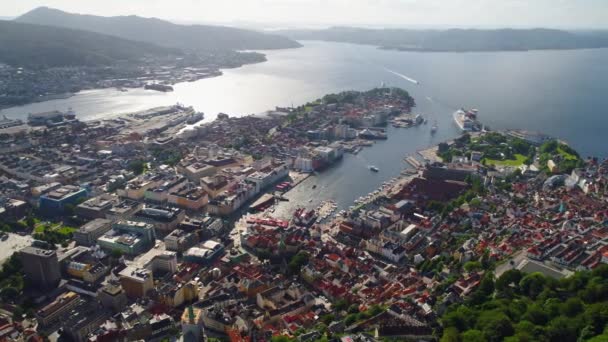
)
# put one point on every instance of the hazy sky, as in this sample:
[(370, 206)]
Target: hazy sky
[(462, 13)]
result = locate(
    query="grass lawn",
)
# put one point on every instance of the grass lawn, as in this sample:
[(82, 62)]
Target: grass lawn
[(63, 230), (40, 228), (518, 161), (566, 155)]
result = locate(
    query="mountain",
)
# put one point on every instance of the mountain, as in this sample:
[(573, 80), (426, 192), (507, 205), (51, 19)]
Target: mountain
[(44, 46), (457, 39), (160, 32)]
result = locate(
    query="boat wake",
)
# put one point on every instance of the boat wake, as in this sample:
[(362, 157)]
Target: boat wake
[(409, 79)]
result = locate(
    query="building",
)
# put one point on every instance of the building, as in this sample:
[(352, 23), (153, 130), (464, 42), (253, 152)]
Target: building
[(12, 209), (204, 253), (196, 170), (164, 262), (136, 282), (96, 207), (83, 320), (175, 294), (179, 240), (160, 326), (123, 210), (267, 176), (128, 237), (217, 184), (188, 197), (303, 164), (192, 324), (163, 219), (54, 203), (41, 266), (57, 309), (88, 234), (160, 193), (136, 188), (113, 297)]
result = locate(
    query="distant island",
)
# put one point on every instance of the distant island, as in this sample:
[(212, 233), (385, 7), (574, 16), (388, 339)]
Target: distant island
[(458, 40)]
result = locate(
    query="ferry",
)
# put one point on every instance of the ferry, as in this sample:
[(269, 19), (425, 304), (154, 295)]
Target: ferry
[(466, 119), (374, 169)]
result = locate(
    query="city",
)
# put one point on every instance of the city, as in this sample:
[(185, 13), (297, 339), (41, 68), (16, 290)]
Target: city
[(286, 171), (142, 226)]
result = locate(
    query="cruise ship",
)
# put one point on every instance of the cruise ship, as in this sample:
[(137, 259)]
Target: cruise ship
[(466, 119)]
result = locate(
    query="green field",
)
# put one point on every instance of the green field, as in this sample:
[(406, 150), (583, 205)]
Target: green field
[(518, 161)]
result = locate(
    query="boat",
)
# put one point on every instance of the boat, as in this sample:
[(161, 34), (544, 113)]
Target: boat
[(434, 127), (466, 119), (158, 87), (374, 169), (195, 117)]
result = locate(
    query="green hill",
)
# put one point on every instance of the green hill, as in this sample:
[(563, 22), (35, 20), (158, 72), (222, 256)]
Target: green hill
[(160, 32), (39, 46), (532, 307)]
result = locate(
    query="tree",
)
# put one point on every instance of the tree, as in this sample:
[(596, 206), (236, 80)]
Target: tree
[(532, 284), (297, 261), (327, 319), (462, 318), (116, 253), (450, 335), (495, 325), (472, 266), (30, 221), (561, 329), (473, 335), (572, 307), (9, 293), (536, 315), (136, 166), (341, 304), (350, 319), (18, 314)]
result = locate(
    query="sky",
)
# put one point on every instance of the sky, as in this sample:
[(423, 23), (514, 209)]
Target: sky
[(376, 13)]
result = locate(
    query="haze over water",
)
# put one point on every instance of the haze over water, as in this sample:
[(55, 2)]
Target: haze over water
[(561, 93)]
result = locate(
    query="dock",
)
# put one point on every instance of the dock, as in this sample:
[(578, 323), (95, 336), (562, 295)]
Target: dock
[(414, 162), (430, 154), (264, 201)]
